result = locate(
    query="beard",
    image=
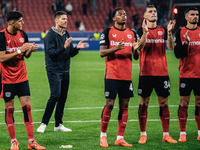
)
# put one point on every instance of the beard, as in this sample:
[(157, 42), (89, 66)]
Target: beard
[(123, 23), (194, 22)]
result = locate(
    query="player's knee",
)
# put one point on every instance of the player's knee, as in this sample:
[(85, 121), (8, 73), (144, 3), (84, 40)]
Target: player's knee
[(124, 105), (26, 108), (197, 102), (184, 103), (144, 101), (109, 105)]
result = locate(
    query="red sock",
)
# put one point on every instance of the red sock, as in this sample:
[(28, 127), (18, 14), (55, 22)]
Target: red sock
[(28, 121), (164, 116), (197, 116), (105, 117), (10, 122), (142, 116), (122, 121), (182, 117)]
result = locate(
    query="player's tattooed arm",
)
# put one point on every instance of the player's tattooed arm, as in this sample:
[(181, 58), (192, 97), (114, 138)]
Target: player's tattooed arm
[(170, 41)]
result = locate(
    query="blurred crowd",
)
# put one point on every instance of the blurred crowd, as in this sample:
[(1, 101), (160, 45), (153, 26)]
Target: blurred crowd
[(91, 5)]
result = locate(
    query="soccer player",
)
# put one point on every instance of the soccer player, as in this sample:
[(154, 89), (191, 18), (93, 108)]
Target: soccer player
[(118, 44), (154, 72), (14, 47), (187, 50), (58, 50)]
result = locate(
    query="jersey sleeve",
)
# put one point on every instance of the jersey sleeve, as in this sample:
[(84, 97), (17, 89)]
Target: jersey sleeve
[(25, 36), (104, 40), (165, 35), (135, 35), (2, 41), (180, 50)]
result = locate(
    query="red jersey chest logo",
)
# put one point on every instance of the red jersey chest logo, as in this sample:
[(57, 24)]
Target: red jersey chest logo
[(14, 42), (115, 36)]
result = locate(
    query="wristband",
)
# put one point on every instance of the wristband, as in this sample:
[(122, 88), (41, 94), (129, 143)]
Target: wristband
[(169, 34), (19, 51)]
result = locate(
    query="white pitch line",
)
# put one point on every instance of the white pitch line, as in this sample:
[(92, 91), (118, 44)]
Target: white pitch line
[(96, 121), (83, 108)]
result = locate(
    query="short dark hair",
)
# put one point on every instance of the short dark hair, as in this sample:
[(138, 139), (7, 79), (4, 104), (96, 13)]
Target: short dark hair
[(149, 6), (59, 13), (13, 15), (115, 10), (189, 9)]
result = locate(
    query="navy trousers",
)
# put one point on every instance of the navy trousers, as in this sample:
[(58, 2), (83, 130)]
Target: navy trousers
[(59, 84)]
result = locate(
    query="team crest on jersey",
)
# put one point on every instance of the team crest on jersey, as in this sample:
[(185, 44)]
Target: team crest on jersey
[(114, 35), (129, 36), (21, 40), (160, 33)]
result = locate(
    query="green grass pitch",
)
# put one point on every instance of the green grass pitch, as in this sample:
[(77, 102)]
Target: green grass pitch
[(84, 106)]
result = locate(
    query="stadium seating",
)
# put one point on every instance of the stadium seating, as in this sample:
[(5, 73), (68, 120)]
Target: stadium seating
[(38, 15)]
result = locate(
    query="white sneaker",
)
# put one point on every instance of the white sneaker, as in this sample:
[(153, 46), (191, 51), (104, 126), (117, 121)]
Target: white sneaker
[(62, 128), (41, 128)]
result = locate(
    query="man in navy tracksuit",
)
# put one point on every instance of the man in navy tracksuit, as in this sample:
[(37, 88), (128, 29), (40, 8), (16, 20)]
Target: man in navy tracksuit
[(58, 50)]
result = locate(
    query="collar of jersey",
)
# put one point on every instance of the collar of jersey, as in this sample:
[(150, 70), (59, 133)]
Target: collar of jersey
[(191, 29), (56, 30), (10, 33), (153, 28), (119, 29)]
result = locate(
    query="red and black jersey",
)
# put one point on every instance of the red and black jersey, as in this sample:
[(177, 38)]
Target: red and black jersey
[(13, 71), (153, 60), (189, 55), (118, 65)]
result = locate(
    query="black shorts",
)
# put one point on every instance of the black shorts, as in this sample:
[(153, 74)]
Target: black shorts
[(123, 88), (19, 89), (161, 84), (186, 85)]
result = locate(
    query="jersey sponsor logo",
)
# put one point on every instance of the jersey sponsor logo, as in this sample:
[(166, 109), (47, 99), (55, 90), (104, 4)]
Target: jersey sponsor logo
[(13, 49), (129, 36), (192, 43), (21, 40), (114, 35), (113, 43), (160, 33), (155, 41)]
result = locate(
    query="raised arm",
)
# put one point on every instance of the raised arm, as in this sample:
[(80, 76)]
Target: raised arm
[(143, 38), (170, 41)]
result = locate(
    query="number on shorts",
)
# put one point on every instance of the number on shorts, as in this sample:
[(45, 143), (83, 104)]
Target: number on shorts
[(166, 84)]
